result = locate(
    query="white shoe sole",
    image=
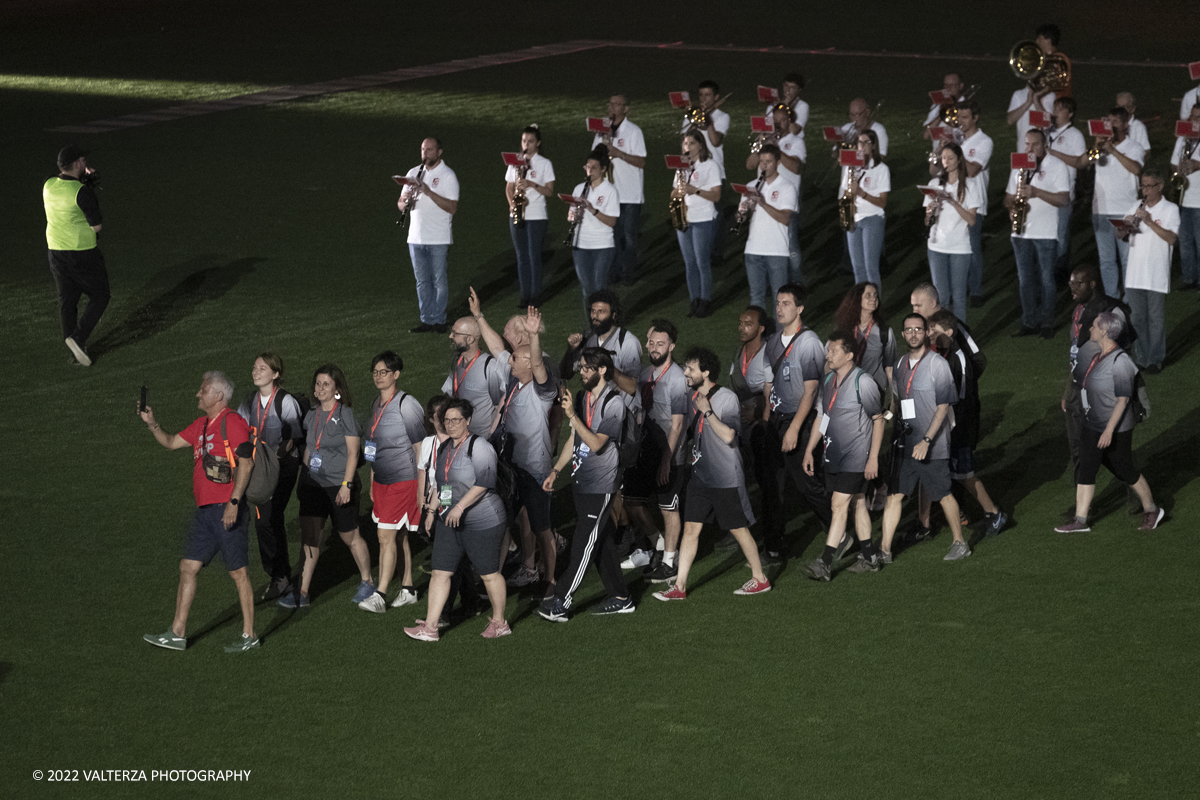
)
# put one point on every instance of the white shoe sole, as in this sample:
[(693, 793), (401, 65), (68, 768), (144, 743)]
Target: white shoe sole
[(77, 351), (401, 600)]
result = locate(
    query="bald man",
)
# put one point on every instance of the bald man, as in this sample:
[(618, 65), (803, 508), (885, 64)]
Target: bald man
[(1137, 128), (431, 205), (475, 376), (862, 118), (925, 301)]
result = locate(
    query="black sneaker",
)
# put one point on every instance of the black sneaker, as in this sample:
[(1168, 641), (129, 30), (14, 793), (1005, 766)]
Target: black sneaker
[(614, 605), (919, 533), (843, 545), (276, 588), (552, 610), (663, 573), (818, 570)]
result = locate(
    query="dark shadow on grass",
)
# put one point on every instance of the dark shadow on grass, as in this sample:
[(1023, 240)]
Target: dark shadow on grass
[(1182, 338), (1166, 462), (5, 668), (168, 299)]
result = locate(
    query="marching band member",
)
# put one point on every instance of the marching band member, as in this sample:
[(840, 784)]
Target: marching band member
[(977, 149), (1026, 99), (627, 149), (1066, 144), (718, 124), (429, 233), (953, 86), (949, 218), (1148, 273), (1116, 190), (865, 242), (792, 155), (861, 119), (1137, 128), (537, 184), (1189, 205), (701, 193), (789, 95), (592, 246), (771, 214)]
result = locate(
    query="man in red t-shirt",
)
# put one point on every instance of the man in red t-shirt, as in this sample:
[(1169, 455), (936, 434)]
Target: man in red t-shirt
[(221, 449)]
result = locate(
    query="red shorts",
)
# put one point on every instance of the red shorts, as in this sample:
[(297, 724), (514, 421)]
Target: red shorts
[(395, 505)]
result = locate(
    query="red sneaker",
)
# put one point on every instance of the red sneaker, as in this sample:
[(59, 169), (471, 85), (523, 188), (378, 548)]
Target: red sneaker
[(674, 593), (754, 587), (1150, 519)]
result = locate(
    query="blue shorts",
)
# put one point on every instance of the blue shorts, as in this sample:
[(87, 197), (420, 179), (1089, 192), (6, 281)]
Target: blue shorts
[(962, 463), (207, 536)]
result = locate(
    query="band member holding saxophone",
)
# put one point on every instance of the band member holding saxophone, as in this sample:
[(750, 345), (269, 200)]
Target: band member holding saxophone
[(431, 205), (868, 188), (700, 193), (1038, 194), (627, 149), (592, 222), (770, 212), (529, 186), (1186, 162)]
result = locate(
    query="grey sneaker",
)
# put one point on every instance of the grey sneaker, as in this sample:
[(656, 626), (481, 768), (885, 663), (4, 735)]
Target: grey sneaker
[(276, 588), (365, 590), (958, 551), (843, 545), (885, 557), (168, 640), (523, 577), (243, 643), (862, 564), (376, 604), (818, 570)]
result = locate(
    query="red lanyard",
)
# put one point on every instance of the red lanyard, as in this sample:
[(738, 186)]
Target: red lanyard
[(700, 420), (1095, 360), (908, 388), (379, 413), (263, 412), (450, 462), (867, 332), (591, 409), (512, 395), (1075, 323), (454, 376), (655, 381), (795, 339), (321, 430), (837, 388)]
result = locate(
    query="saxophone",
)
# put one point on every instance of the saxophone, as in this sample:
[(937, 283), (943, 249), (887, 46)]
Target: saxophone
[(520, 201), (746, 209), (847, 204), (1020, 205), (1179, 181), (573, 224), (677, 207)]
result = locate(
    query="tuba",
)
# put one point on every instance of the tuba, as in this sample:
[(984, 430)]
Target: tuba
[(1051, 73), (1020, 205), (848, 203), (677, 207)]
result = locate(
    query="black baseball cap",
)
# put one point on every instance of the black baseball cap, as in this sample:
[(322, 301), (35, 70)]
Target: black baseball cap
[(69, 155)]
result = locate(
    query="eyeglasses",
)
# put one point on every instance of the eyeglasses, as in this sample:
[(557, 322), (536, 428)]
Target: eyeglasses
[(455, 420), (1151, 185), (460, 333), (585, 368), (914, 330), (379, 373)]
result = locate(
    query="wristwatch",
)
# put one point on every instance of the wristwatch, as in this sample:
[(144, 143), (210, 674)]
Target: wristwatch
[(233, 501), (707, 413), (927, 440)]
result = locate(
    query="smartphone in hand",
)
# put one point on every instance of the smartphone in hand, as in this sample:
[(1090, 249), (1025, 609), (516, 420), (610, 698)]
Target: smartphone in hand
[(142, 400)]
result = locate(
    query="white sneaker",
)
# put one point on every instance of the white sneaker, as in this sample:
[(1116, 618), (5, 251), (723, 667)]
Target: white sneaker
[(637, 559), (375, 603), (80, 355), (405, 598)]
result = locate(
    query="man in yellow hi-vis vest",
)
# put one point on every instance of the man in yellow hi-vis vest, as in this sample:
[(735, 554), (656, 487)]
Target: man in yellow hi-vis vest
[(72, 222)]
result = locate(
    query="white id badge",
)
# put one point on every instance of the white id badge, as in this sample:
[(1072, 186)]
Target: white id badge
[(908, 409), (695, 452), (824, 424), (314, 463), (787, 372), (369, 450), (1083, 398)]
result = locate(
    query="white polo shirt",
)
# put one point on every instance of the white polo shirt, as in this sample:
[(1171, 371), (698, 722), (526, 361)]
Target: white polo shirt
[(1042, 220), (950, 233), (1191, 195), (629, 179), (1117, 187), (1137, 132), (705, 175), (541, 172), (1018, 99), (430, 224), (592, 233), (769, 237), (1068, 141), (1149, 264), (793, 145), (801, 109), (978, 148), (880, 133), (874, 181)]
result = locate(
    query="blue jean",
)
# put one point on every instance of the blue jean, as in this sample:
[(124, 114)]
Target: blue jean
[(625, 238), (763, 272), (1062, 264), (865, 245), (1035, 272), (1108, 249), (975, 274), (433, 287), (950, 272), (795, 274), (1189, 244), (592, 267), (1149, 320), (696, 244), (527, 241)]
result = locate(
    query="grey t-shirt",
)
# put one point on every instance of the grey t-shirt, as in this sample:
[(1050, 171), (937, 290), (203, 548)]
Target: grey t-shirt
[(747, 376), (932, 385), (668, 388), (597, 473), (850, 406), (627, 356), (1110, 378), (715, 464), (466, 466), (327, 432), (481, 382), (801, 359), (525, 418), (393, 432), (264, 419), (877, 356)]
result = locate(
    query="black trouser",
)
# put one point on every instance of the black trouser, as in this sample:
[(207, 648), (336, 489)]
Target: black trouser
[(1075, 417), (78, 273), (779, 466), (594, 538), (752, 444), (268, 523)]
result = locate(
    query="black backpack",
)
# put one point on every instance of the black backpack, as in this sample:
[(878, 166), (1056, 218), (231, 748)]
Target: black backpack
[(506, 479), (629, 444)]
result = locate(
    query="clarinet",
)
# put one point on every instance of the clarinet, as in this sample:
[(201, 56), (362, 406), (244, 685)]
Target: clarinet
[(573, 228), (412, 197), (744, 216)]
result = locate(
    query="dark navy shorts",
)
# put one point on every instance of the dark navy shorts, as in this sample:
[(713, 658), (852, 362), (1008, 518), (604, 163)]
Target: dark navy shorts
[(207, 537)]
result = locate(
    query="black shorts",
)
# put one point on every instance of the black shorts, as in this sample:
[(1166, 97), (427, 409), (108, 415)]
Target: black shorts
[(933, 475), (207, 537), (319, 501), (481, 546), (641, 481), (850, 483), (534, 499), (1117, 457), (729, 508)]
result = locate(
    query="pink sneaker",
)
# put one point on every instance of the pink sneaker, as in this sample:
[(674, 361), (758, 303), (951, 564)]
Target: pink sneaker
[(674, 593), (754, 587), (1150, 519), (496, 629), (422, 633), (1074, 526)]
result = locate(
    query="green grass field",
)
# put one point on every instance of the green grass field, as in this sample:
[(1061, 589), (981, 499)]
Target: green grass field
[(1043, 666)]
